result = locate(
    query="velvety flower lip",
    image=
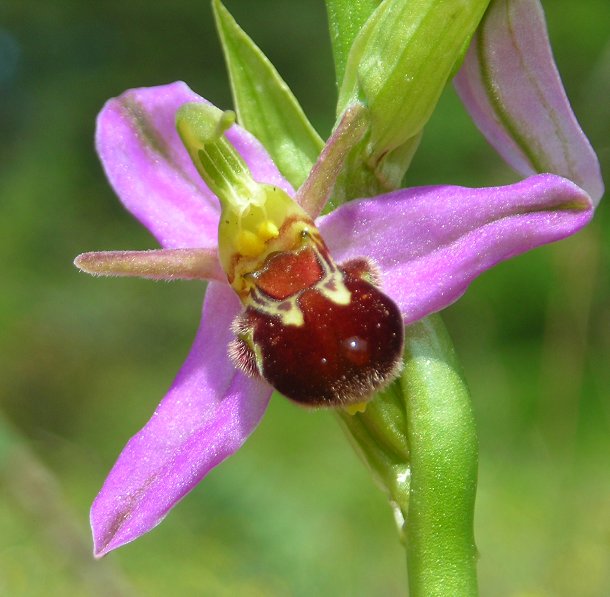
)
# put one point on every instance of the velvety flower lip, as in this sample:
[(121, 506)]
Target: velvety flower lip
[(429, 243), (510, 85)]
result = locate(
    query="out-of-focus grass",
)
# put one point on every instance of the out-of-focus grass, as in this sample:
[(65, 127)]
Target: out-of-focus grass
[(84, 361)]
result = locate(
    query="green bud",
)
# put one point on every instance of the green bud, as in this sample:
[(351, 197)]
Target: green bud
[(397, 67)]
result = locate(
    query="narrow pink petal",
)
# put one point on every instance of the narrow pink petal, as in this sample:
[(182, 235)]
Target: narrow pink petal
[(159, 264), (315, 192), (208, 413), (152, 173), (512, 89), (431, 242)]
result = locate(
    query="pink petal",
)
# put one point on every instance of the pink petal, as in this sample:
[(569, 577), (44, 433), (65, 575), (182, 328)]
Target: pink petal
[(155, 264), (511, 87), (206, 416), (152, 173), (431, 242)]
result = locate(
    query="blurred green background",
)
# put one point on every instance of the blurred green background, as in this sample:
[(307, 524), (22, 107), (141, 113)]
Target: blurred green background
[(83, 361)]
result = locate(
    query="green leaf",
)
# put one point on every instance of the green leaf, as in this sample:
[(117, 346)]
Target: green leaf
[(264, 104), (345, 19)]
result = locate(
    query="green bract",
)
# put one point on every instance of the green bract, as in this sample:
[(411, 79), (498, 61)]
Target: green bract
[(264, 103), (345, 19)]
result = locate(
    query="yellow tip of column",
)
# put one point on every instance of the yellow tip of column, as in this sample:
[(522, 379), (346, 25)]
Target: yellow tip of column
[(358, 407)]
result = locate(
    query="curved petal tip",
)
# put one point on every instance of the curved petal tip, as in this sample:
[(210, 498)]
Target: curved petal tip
[(510, 85)]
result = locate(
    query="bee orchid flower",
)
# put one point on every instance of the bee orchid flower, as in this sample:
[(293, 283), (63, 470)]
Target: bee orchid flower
[(415, 251)]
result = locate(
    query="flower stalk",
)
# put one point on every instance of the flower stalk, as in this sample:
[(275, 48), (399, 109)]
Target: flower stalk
[(419, 440), (441, 434)]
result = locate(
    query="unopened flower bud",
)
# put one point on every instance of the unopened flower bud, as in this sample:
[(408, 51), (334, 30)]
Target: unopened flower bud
[(398, 66)]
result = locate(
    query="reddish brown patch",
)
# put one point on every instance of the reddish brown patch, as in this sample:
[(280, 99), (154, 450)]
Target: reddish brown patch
[(285, 274), (362, 268)]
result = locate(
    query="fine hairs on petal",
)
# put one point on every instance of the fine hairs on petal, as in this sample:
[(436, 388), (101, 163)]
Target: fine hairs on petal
[(161, 264), (240, 349), (365, 386)]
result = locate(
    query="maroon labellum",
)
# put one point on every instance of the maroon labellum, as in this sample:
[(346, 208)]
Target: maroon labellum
[(321, 335)]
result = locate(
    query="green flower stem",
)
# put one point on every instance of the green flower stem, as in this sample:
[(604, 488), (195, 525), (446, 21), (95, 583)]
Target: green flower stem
[(441, 552), (418, 437)]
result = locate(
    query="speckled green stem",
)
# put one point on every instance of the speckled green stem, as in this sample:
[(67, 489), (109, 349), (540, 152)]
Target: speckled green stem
[(441, 552)]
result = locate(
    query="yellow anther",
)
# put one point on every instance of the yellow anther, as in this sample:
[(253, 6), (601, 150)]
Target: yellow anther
[(358, 407), (267, 230), (249, 244)]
